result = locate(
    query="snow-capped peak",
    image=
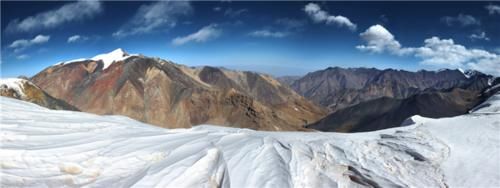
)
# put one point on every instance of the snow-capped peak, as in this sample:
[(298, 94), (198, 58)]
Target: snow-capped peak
[(16, 84), (463, 72), (109, 58), (469, 73)]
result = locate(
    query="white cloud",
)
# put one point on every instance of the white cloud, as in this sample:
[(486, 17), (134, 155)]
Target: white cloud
[(67, 13), (445, 52), (22, 56), (155, 16), (217, 9), (267, 33), (379, 40), (461, 19), (480, 36), (320, 16), (435, 51), (22, 44), (204, 34), (77, 38), (493, 9)]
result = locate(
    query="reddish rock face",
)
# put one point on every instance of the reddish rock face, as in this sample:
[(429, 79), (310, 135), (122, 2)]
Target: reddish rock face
[(171, 95)]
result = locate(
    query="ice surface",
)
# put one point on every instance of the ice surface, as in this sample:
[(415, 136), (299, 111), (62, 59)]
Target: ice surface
[(48, 148), (492, 105)]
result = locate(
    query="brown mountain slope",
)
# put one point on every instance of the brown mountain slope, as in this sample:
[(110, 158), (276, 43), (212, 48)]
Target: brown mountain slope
[(25, 90), (171, 95), (338, 88)]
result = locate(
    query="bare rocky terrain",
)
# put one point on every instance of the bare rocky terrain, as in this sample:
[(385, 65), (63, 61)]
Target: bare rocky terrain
[(337, 88), (22, 89), (170, 95), (362, 99)]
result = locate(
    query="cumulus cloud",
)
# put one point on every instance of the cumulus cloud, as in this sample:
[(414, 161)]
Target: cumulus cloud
[(435, 51), (378, 40), (67, 13), (320, 16), (480, 36), (493, 9), (267, 33), (154, 16), (206, 33), (22, 44), (461, 19), (77, 38)]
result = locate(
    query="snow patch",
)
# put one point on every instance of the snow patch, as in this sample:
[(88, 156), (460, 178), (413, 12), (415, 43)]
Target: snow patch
[(464, 73), (14, 83), (490, 106), (70, 61), (108, 59)]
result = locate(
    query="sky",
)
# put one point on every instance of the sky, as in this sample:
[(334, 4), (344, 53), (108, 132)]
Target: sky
[(277, 38)]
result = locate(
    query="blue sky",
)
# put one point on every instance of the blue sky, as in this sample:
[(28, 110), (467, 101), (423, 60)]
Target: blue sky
[(279, 38)]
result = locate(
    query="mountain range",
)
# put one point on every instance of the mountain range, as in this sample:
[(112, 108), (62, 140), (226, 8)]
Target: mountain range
[(338, 88), (362, 99), (170, 95)]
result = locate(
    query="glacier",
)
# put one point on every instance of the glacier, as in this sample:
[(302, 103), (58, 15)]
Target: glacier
[(50, 148)]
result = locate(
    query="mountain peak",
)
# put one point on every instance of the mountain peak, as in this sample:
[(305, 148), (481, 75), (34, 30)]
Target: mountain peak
[(111, 57), (119, 51)]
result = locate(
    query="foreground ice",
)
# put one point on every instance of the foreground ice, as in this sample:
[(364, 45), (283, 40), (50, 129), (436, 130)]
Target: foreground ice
[(47, 148)]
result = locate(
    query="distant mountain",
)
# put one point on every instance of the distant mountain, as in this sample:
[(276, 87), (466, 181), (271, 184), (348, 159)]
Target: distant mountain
[(387, 112), (170, 95), (287, 80), (338, 88), (23, 89)]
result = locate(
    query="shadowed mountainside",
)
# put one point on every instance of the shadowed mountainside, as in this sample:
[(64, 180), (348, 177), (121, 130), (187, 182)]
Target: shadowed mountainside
[(389, 112), (338, 88)]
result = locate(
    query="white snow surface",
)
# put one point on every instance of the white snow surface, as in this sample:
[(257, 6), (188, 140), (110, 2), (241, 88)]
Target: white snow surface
[(71, 61), (14, 83), (490, 106), (108, 59), (49, 148)]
